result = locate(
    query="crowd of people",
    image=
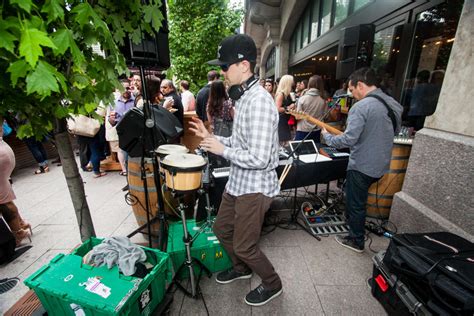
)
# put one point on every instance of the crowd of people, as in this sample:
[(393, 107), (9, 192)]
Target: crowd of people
[(245, 120)]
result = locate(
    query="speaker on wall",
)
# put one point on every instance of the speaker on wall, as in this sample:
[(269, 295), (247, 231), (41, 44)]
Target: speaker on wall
[(153, 50), (355, 49)]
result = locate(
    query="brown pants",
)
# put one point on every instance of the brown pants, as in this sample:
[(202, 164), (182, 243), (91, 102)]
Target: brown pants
[(238, 226)]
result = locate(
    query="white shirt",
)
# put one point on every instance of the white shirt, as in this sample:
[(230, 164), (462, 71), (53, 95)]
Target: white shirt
[(187, 98)]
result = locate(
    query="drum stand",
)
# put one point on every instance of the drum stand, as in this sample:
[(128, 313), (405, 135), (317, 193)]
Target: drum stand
[(190, 262), (207, 226)]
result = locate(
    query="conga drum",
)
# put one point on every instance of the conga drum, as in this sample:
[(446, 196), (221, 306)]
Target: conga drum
[(379, 201), (183, 172), (168, 149), (137, 193)]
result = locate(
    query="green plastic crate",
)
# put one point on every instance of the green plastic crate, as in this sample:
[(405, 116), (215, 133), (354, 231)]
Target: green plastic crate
[(206, 248), (61, 285)]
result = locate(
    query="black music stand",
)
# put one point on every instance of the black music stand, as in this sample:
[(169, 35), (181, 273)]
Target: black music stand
[(296, 159), (153, 134)]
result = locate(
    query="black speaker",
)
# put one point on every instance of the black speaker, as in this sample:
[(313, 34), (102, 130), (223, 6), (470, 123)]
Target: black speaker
[(152, 51), (133, 134), (355, 49)]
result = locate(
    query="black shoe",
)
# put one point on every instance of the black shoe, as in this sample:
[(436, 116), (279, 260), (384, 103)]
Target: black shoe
[(231, 275), (350, 243), (125, 188), (260, 296)]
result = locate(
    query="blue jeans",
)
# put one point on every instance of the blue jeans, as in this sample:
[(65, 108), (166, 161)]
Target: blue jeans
[(316, 136), (357, 191), (97, 152), (37, 150)]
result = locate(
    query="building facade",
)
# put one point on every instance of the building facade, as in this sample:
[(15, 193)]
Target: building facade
[(422, 52)]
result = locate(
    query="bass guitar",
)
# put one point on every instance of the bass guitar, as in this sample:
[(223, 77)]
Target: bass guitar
[(299, 115)]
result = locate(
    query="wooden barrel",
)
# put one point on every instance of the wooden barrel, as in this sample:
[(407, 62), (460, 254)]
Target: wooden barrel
[(381, 192), (137, 193)]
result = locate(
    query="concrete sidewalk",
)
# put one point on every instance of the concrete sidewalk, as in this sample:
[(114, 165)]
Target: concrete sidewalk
[(319, 277)]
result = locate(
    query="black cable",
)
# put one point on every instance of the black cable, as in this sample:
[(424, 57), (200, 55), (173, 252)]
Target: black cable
[(132, 200), (368, 238)]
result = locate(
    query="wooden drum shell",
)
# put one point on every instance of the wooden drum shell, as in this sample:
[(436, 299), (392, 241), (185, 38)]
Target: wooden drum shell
[(183, 172)]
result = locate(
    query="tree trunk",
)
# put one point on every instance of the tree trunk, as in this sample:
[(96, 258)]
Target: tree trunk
[(74, 181)]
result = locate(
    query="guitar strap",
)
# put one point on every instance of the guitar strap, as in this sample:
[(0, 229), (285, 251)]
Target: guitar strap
[(390, 113)]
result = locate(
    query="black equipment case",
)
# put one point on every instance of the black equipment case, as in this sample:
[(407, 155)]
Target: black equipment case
[(438, 268), (393, 294)]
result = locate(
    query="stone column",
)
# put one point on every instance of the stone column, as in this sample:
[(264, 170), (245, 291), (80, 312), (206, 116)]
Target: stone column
[(281, 63), (438, 192)]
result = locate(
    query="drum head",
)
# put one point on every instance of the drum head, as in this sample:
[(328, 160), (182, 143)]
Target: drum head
[(169, 149), (183, 162)]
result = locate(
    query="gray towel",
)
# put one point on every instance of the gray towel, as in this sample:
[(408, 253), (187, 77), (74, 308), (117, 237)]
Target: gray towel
[(118, 251)]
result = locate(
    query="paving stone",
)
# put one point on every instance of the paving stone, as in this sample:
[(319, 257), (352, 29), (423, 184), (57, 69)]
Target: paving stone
[(317, 276), (349, 300), (299, 296)]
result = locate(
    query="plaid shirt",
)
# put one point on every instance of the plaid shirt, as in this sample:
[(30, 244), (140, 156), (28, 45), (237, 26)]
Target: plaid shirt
[(253, 147)]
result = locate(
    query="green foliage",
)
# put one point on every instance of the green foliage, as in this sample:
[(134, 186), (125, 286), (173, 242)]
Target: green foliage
[(196, 29), (46, 55)]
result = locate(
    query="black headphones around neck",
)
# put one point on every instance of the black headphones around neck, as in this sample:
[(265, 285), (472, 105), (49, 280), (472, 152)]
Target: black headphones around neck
[(236, 91)]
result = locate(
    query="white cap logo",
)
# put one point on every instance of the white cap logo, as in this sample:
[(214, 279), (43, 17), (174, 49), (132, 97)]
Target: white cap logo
[(240, 56), (219, 52)]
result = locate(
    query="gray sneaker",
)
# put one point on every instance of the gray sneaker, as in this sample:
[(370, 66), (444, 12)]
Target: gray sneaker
[(350, 243), (231, 275), (261, 296)]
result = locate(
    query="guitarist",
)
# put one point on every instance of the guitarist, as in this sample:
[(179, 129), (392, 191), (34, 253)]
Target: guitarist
[(371, 125)]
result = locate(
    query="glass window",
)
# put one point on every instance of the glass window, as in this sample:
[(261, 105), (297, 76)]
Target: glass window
[(270, 64), (292, 45), (360, 3), (342, 9), (386, 51), (326, 16), (306, 28), (298, 37), (315, 20), (433, 40)]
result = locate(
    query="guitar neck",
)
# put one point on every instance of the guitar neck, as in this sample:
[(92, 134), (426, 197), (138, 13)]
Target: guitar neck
[(329, 128)]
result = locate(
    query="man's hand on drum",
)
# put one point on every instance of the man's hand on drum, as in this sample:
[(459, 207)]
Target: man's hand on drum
[(211, 144), (198, 128)]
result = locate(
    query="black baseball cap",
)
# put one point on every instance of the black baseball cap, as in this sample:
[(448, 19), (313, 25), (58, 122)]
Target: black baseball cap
[(235, 48)]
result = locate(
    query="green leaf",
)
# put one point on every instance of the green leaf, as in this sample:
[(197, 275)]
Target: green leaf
[(80, 80), (24, 4), (10, 23), (61, 111), (31, 42), (77, 55), (90, 107), (54, 9), (7, 41), (156, 19), (62, 39), (42, 80), (18, 69), (83, 13)]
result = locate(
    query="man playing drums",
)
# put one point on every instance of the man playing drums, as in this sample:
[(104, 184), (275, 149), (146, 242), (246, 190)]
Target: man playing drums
[(252, 150)]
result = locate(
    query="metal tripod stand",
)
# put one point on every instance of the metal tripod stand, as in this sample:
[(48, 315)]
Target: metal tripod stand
[(190, 261)]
